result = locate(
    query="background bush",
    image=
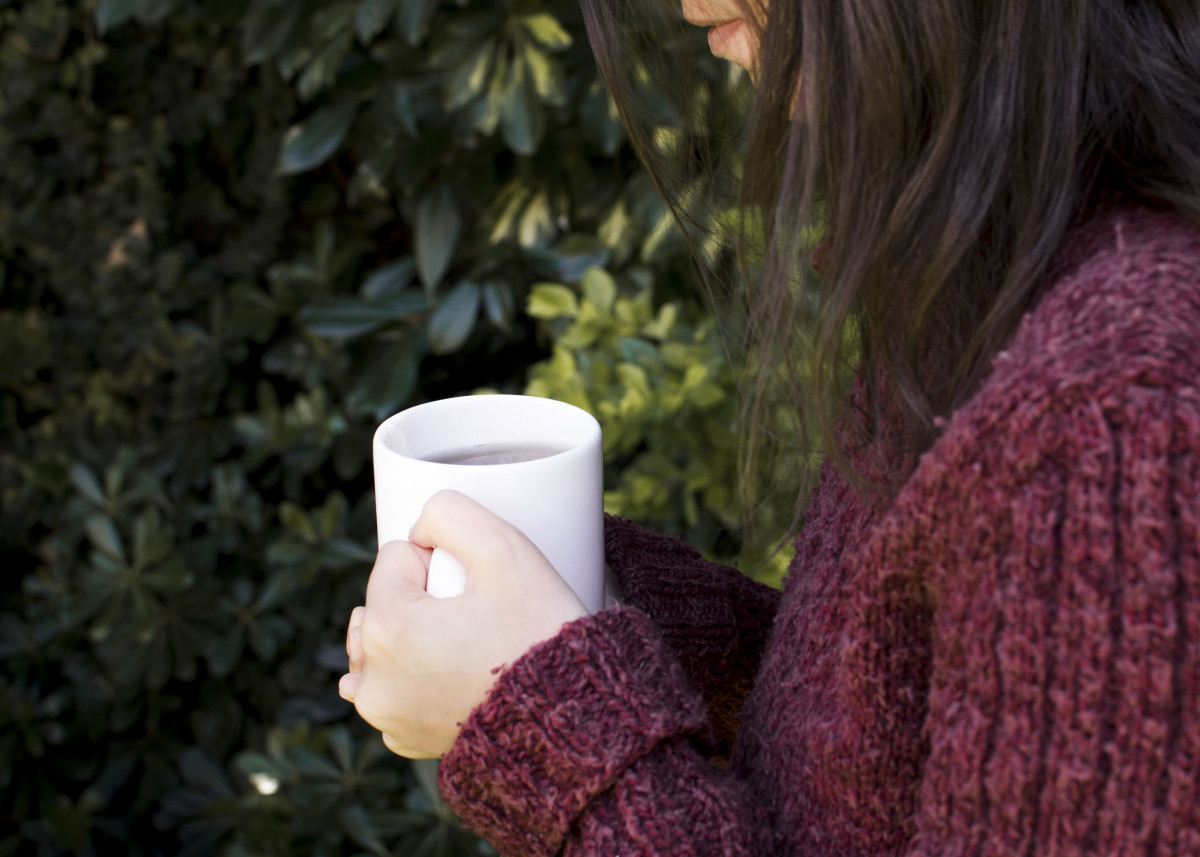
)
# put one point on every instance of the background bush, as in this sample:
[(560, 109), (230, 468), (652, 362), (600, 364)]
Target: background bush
[(233, 237)]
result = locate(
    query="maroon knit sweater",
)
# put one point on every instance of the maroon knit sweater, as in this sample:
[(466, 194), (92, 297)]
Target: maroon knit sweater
[(1003, 659)]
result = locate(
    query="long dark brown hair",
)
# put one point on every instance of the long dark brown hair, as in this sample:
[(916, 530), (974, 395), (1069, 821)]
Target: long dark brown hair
[(943, 147)]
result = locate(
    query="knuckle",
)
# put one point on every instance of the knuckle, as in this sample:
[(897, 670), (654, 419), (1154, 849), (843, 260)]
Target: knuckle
[(373, 637), (442, 502)]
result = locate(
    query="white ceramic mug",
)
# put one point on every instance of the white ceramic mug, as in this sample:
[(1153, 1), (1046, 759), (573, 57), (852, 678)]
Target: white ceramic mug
[(556, 499)]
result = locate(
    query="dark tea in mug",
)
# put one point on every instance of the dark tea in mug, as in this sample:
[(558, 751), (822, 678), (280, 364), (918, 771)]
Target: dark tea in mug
[(494, 453)]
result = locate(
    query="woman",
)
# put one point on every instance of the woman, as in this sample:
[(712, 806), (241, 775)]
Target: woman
[(989, 639)]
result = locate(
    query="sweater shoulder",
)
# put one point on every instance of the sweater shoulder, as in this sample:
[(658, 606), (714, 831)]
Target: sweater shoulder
[(1109, 355), (1124, 306)]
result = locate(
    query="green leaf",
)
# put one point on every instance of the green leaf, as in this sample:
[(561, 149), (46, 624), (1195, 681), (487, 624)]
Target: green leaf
[(524, 118), (113, 13), (103, 534), (201, 771), (332, 20), (551, 300), (600, 120), (323, 70), (635, 350), (437, 227), (350, 317), (153, 12), (251, 763), (499, 304), (342, 747), (426, 771), (151, 543), (87, 484), (387, 382), (308, 762), (324, 246), (262, 641), (112, 615), (413, 17), (571, 257), (546, 29), (312, 142), (265, 30), (224, 650), (371, 17), (294, 518), (454, 319), (339, 553), (145, 616), (389, 279), (357, 825), (471, 76)]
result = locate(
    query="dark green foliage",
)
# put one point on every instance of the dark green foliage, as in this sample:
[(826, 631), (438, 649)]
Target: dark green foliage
[(233, 237)]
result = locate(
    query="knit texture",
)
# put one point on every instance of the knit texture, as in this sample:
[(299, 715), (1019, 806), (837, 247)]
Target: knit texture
[(1003, 659)]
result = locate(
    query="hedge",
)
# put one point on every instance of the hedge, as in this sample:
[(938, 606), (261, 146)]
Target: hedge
[(233, 238)]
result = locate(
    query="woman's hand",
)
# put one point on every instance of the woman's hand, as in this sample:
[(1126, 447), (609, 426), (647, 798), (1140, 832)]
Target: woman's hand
[(419, 665)]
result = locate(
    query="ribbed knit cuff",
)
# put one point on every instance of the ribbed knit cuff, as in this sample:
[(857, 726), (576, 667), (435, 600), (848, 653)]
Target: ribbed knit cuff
[(561, 725)]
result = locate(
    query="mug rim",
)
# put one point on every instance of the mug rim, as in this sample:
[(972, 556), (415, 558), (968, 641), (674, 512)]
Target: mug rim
[(400, 434)]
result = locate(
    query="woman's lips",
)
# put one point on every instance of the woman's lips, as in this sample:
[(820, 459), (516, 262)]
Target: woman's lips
[(720, 36)]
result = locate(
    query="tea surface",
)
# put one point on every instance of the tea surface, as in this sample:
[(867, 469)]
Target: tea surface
[(494, 453)]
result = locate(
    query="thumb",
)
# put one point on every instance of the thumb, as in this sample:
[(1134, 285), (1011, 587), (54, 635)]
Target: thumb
[(400, 570)]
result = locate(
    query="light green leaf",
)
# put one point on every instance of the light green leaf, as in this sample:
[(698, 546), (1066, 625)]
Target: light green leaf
[(660, 328), (113, 13), (551, 300), (312, 142), (488, 111), (454, 319), (438, 226), (547, 76), (599, 287), (536, 224), (546, 29)]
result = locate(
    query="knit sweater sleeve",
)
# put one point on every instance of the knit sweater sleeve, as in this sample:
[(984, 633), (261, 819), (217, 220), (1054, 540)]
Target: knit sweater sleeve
[(593, 744), (1064, 689), (714, 619)]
